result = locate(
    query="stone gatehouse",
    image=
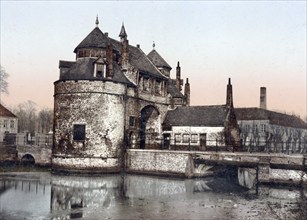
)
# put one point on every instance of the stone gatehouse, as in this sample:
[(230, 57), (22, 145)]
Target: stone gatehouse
[(112, 96)]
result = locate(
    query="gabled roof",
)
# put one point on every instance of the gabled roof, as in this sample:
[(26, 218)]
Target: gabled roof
[(4, 112), (213, 116), (274, 118), (157, 59), (172, 89), (95, 39), (139, 60), (83, 69)]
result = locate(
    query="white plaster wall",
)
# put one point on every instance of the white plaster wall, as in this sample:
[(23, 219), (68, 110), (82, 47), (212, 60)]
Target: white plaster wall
[(8, 128), (212, 133)]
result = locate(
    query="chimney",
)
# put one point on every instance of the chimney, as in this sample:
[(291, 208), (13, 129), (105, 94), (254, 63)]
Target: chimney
[(106, 34), (179, 81), (229, 100), (109, 73), (263, 97), (187, 92), (125, 54)]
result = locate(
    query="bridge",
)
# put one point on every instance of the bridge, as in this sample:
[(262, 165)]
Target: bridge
[(34, 154), (253, 168)]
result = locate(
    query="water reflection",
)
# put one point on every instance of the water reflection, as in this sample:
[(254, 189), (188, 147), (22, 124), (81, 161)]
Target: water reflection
[(42, 195)]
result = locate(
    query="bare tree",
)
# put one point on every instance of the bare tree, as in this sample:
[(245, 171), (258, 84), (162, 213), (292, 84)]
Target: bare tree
[(26, 113), (45, 120), (3, 82)]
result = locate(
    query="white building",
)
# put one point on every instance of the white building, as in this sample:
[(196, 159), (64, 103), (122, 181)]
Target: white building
[(8, 122), (202, 127), (272, 131)]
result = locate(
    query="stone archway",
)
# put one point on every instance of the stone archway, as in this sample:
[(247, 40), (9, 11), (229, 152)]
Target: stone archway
[(27, 159), (149, 127)]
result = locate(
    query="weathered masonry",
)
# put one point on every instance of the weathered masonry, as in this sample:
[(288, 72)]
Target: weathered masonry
[(112, 96), (252, 168)]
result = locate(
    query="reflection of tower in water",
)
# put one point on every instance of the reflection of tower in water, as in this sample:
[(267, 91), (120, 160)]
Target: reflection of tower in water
[(73, 193)]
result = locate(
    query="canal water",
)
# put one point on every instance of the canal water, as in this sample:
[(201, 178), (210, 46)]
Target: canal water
[(41, 195)]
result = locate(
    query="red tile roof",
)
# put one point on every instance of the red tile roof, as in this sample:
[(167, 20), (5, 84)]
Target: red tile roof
[(4, 112)]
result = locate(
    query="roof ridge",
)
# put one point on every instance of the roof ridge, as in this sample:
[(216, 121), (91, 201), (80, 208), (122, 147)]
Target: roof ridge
[(151, 63)]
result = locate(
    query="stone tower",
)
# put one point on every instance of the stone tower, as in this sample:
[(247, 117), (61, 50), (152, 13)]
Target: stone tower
[(89, 108)]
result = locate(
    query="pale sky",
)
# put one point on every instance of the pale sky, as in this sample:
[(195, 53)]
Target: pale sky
[(255, 43)]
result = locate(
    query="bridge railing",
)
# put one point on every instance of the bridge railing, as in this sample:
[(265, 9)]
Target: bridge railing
[(24, 139), (294, 147)]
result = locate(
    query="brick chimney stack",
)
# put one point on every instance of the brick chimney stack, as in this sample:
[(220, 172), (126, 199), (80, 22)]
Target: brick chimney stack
[(187, 92), (110, 72), (263, 97)]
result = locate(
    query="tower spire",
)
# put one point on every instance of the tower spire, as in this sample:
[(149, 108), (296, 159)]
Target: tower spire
[(229, 99), (153, 45), (123, 35), (97, 21)]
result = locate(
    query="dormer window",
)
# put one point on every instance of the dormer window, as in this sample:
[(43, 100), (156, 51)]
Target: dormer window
[(100, 68)]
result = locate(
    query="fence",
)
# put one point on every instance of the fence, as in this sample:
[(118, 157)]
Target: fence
[(294, 147), (24, 139)]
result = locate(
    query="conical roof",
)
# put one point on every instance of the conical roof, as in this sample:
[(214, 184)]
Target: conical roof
[(123, 33), (95, 39), (157, 60)]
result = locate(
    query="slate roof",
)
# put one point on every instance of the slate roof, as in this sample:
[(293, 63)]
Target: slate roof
[(4, 112), (214, 116), (172, 89), (157, 59), (123, 33), (95, 39), (66, 64), (83, 69), (275, 118), (139, 60)]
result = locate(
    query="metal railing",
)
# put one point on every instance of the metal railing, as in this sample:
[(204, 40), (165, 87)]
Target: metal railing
[(23, 139), (293, 147)]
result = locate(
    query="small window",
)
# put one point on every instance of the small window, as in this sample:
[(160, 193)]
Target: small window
[(194, 138), (81, 53), (79, 132), (132, 121), (100, 70), (12, 124), (158, 87), (5, 124), (255, 127), (177, 138), (146, 84), (263, 128), (186, 138)]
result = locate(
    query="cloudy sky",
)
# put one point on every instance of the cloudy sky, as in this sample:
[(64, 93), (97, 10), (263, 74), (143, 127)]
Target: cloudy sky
[(254, 43)]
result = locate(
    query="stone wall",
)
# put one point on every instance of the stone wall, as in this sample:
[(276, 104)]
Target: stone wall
[(100, 107), (159, 162)]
